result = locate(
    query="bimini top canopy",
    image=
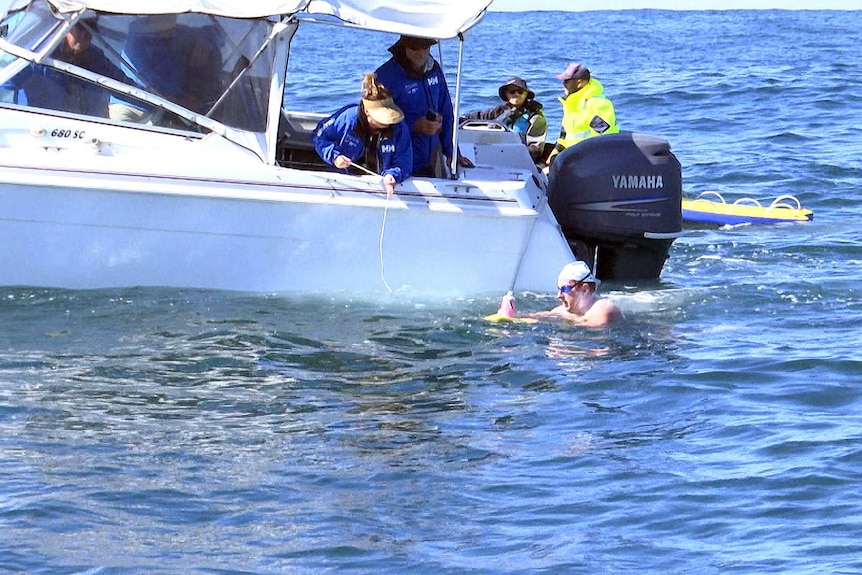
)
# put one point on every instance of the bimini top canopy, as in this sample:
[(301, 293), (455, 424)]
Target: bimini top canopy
[(427, 18)]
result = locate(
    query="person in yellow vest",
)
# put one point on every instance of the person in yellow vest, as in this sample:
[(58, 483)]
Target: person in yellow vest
[(586, 110)]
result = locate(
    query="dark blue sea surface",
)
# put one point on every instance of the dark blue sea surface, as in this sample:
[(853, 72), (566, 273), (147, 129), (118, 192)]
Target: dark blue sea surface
[(718, 431)]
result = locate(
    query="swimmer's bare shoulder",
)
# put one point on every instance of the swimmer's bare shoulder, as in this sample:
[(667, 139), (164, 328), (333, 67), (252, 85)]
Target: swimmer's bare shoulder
[(603, 312)]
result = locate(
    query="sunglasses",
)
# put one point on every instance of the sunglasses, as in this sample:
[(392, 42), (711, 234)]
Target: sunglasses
[(514, 92), (567, 289)]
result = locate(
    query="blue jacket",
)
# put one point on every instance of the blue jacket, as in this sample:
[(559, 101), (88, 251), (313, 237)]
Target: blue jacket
[(338, 135), (182, 64), (417, 95), (47, 87)]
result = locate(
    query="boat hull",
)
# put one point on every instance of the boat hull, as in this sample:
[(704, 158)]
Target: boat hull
[(82, 229)]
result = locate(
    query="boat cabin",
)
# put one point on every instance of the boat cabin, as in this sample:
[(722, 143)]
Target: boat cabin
[(190, 72)]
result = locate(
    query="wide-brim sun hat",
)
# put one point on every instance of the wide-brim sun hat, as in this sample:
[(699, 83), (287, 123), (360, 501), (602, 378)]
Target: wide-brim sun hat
[(383, 111), (404, 41), (518, 83), (577, 271), (156, 24)]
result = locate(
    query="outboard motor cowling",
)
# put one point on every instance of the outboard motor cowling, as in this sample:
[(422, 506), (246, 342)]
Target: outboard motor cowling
[(618, 199)]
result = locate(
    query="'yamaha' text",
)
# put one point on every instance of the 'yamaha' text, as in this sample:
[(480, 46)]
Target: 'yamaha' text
[(644, 182)]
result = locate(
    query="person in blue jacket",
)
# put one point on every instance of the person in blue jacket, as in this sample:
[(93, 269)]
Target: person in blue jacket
[(368, 137), (50, 88), (419, 88), (179, 62)]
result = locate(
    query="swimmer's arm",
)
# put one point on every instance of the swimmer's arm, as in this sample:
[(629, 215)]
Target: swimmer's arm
[(559, 311)]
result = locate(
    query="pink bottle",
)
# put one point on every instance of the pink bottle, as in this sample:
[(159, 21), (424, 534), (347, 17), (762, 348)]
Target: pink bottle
[(507, 305)]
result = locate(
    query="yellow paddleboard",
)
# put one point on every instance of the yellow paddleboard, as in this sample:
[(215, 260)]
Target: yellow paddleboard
[(497, 318), (743, 211)]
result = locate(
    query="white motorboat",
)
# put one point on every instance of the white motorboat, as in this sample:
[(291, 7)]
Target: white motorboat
[(223, 190)]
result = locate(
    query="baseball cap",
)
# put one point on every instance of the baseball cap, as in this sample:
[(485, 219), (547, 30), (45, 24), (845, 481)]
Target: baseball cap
[(574, 71)]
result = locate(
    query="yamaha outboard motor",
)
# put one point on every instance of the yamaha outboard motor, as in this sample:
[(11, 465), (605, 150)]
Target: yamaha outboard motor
[(618, 198)]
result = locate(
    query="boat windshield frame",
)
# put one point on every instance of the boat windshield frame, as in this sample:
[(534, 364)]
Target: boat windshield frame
[(239, 68)]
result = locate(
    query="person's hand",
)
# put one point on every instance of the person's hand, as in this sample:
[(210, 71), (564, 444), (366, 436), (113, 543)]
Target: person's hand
[(428, 127), (389, 185), (465, 162), (341, 161)]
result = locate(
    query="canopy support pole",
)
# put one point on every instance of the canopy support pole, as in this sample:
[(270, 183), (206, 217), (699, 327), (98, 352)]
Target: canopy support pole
[(453, 163)]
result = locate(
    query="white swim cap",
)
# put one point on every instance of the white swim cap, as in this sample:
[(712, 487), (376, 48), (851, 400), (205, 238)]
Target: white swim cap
[(576, 271)]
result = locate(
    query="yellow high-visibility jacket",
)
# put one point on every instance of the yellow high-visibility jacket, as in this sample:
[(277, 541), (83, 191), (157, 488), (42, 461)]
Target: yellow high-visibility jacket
[(586, 113)]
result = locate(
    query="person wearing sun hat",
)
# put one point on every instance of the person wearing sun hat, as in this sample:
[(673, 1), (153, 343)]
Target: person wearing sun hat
[(419, 88), (174, 56), (368, 136), (579, 302), (586, 110), (519, 112)]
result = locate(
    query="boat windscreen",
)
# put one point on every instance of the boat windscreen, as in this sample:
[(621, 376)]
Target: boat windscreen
[(31, 28), (203, 63), (194, 59)]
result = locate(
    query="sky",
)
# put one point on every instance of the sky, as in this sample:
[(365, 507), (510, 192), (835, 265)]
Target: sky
[(575, 5)]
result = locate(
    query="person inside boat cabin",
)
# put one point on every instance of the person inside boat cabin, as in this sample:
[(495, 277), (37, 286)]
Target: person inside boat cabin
[(179, 62), (419, 88), (368, 137), (586, 110), (579, 301), (519, 112), (52, 89)]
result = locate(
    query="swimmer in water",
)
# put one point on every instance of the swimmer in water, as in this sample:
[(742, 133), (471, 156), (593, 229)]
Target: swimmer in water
[(579, 302)]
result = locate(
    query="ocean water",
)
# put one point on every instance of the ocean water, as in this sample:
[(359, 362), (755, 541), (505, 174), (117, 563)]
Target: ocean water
[(717, 431)]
